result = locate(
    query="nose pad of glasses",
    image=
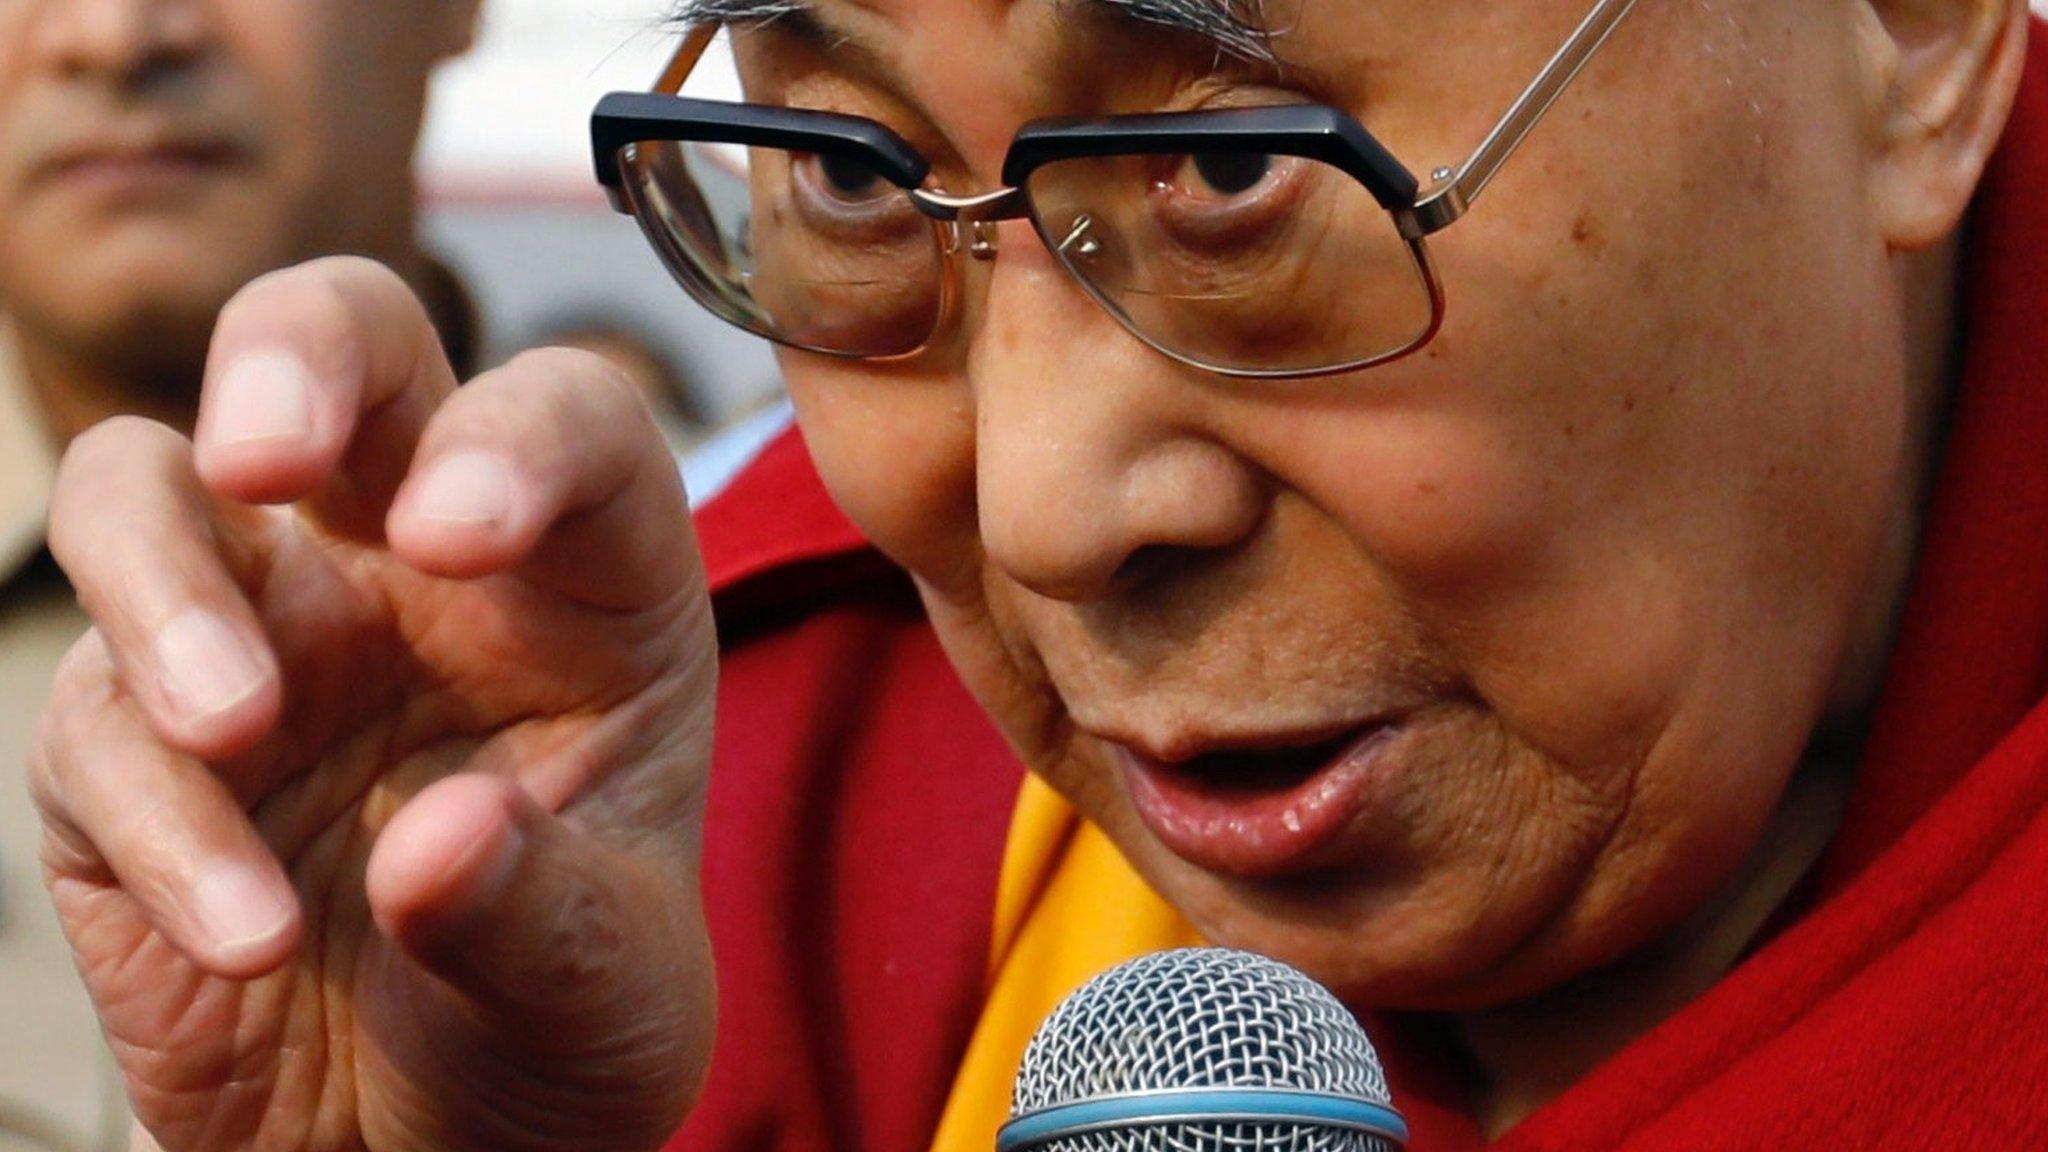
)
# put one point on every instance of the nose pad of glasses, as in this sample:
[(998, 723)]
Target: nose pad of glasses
[(1082, 241), (983, 240)]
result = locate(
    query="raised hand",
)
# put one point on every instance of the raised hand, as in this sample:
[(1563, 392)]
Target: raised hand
[(373, 797)]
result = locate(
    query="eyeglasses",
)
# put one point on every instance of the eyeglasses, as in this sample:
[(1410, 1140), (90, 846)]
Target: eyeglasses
[(1268, 242)]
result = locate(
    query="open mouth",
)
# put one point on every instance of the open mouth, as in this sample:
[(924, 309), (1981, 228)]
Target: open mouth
[(1257, 812), (1254, 772)]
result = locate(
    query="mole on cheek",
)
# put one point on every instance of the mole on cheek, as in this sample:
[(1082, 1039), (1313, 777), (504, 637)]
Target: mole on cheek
[(1586, 234), (1003, 337)]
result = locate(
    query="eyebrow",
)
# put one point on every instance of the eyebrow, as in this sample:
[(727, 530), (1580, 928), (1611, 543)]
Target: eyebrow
[(1236, 27)]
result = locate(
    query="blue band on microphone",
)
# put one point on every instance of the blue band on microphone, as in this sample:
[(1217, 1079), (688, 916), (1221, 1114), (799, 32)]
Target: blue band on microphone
[(1203, 1106)]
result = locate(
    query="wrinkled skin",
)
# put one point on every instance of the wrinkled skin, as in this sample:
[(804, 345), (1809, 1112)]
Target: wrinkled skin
[(1606, 557), (460, 911)]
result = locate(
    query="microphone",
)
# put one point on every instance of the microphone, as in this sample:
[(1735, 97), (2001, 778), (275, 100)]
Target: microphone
[(1201, 1050)]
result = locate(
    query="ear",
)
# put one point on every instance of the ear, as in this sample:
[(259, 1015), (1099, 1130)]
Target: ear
[(455, 23), (1940, 77)]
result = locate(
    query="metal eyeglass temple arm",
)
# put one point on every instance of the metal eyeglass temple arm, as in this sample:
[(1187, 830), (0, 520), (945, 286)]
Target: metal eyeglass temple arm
[(1449, 200)]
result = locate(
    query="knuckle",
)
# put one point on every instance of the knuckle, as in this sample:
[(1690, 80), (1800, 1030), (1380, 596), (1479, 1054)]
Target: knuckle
[(562, 398), (358, 271), (67, 850), (337, 276), (43, 758), (82, 685), (46, 788), (113, 441), (306, 303), (84, 671), (352, 320), (98, 467), (579, 378)]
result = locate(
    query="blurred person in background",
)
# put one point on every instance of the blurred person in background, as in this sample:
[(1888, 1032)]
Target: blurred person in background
[(155, 157)]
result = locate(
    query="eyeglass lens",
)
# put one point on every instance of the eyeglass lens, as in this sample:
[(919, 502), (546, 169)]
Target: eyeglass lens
[(1236, 260), (811, 250)]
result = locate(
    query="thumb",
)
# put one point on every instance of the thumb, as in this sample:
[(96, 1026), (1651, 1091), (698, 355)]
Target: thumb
[(572, 970)]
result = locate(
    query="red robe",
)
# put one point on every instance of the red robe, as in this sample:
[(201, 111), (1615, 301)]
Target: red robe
[(860, 798)]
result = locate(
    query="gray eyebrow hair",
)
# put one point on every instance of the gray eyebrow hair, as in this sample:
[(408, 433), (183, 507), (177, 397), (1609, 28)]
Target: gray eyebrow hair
[(688, 12), (1237, 27)]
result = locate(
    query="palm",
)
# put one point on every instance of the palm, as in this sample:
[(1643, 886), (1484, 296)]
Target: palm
[(393, 680)]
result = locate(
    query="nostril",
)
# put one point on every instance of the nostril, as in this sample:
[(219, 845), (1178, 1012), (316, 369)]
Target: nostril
[(1157, 563)]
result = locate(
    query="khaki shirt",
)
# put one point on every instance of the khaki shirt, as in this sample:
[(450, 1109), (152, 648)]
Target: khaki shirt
[(59, 1091)]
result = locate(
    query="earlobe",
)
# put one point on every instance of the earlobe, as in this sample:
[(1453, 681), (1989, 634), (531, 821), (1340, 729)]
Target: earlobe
[(1940, 81)]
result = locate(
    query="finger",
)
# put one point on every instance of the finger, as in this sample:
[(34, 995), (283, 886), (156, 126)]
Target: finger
[(132, 529), (116, 801), (552, 465), (319, 381), (586, 963)]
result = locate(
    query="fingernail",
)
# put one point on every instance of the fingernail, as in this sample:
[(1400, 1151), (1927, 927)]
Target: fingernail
[(466, 488), (206, 667), (261, 397), (238, 909)]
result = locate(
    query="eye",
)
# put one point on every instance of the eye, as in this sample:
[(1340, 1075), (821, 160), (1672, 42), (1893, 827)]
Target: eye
[(844, 199), (1215, 177), (1206, 199), (1229, 173), (844, 178)]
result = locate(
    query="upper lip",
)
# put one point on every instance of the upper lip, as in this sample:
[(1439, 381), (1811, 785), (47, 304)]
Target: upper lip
[(1182, 745)]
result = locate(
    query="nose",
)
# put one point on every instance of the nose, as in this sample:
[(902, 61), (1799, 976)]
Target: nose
[(1095, 464), (125, 40)]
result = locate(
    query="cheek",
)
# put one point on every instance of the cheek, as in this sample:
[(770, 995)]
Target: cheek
[(1506, 540), (283, 49), (280, 78), (1439, 499), (896, 450), (334, 87)]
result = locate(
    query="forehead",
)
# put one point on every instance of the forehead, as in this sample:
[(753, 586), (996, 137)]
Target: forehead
[(1238, 28)]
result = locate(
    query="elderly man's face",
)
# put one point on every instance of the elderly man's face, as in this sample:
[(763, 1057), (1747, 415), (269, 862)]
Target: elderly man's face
[(1455, 677), (157, 154)]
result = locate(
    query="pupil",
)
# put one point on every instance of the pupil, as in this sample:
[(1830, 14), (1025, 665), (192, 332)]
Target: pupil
[(846, 175), (1232, 173)]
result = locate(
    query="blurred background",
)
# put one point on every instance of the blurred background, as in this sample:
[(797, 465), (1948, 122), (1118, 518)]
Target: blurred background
[(512, 205)]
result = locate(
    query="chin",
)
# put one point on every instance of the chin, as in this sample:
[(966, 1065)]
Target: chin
[(148, 311), (1436, 935), (1396, 956)]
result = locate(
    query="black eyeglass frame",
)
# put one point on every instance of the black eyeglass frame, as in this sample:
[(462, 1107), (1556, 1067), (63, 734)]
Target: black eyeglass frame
[(1308, 131)]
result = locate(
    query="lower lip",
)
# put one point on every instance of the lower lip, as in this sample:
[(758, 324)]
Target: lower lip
[(1255, 832)]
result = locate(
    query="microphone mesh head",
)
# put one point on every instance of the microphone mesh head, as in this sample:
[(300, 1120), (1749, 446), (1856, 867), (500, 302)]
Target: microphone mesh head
[(1201, 1018)]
